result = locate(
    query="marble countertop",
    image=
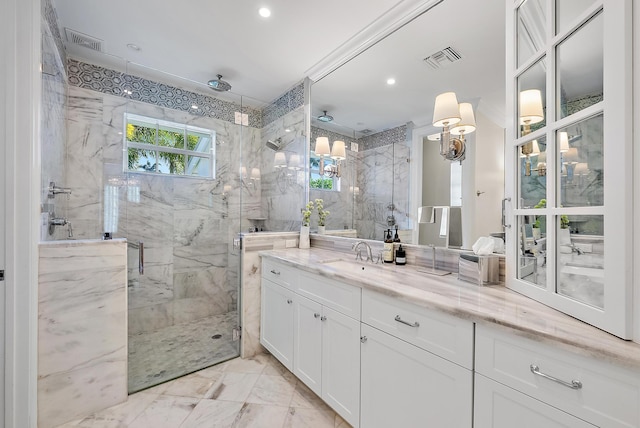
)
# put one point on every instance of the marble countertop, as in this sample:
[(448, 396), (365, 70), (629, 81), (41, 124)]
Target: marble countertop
[(494, 305)]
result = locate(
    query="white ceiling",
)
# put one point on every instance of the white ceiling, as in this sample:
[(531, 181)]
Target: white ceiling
[(197, 39)]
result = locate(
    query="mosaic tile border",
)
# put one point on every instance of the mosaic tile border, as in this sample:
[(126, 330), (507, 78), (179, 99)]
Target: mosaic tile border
[(384, 138), (284, 104), (101, 79)]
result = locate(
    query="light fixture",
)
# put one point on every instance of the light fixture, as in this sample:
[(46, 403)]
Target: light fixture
[(531, 112), (456, 119), (280, 160), (195, 107), (337, 153), (542, 164), (391, 81), (324, 117), (563, 138), (264, 12), (294, 162)]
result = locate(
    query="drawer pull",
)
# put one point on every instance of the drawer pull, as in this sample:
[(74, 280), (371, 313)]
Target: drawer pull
[(316, 315), (275, 272), (415, 324), (574, 384)]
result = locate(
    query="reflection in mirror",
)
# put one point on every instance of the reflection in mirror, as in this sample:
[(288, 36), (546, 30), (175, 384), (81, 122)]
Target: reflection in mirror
[(533, 174), (441, 226), (532, 104), (580, 64), (582, 173), (532, 249), (531, 28), (568, 10)]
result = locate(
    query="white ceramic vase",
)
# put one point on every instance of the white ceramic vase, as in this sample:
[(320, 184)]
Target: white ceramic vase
[(321, 230), (304, 237)]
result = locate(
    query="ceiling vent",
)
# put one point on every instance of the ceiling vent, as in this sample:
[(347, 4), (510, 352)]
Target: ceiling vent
[(442, 58), (81, 39), (366, 131)]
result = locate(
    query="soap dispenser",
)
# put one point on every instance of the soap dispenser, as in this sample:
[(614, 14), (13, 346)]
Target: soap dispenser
[(396, 238), (387, 254), (401, 258)]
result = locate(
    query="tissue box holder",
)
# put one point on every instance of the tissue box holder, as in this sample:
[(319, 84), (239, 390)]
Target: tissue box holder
[(479, 270)]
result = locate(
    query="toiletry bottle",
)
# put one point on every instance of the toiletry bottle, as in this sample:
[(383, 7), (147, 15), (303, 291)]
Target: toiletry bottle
[(401, 258), (396, 238), (387, 254)]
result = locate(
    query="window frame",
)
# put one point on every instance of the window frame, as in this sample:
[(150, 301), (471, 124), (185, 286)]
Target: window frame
[(159, 124)]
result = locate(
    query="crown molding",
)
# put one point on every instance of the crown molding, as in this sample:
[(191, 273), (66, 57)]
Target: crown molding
[(402, 13)]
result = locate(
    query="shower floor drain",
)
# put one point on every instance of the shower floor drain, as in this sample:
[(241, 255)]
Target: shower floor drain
[(216, 336)]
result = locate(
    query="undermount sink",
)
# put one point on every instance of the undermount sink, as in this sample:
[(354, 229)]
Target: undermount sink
[(351, 266)]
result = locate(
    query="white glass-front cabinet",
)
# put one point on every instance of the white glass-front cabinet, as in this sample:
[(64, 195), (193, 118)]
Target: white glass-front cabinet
[(569, 157)]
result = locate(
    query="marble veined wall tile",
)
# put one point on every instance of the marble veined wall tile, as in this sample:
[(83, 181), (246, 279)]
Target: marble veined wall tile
[(82, 333)]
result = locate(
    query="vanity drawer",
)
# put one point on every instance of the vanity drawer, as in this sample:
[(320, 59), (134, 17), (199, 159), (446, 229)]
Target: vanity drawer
[(609, 395), (444, 335), (280, 273), (333, 294)]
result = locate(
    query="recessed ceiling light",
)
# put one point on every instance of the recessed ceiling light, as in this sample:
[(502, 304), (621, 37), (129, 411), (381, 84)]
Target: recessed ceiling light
[(391, 81), (133, 47), (195, 107), (287, 130), (264, 12)]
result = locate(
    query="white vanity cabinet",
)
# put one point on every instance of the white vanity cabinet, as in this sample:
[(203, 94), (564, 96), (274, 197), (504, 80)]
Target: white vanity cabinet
[(311, 324), (536, 377), (416, 365)]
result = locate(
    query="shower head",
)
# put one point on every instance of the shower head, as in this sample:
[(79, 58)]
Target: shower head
[(325, 117), (275, 144), (219, 84)]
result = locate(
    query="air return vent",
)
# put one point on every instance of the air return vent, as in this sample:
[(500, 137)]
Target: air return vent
[(81, 39), (442, 58)]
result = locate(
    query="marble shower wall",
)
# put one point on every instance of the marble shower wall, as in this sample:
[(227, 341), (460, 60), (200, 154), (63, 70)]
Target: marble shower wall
[(382, 180), (82, 329), (187, 224), (52, 120)]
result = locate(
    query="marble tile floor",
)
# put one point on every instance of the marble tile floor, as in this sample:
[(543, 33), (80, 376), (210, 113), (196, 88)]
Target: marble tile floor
[(176, 350), (245, 393)]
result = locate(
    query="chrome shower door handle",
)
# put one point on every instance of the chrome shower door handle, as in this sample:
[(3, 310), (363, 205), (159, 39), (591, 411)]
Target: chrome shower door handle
[(504, 213), (141, 257)]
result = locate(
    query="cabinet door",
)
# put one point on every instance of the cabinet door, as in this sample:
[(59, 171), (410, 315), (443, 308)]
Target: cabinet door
[(307, 331), (498, 406), (341, 364), (276, 329), (405, 386)]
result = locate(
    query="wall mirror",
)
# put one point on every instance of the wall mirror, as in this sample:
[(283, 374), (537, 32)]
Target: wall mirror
[(382, 101)]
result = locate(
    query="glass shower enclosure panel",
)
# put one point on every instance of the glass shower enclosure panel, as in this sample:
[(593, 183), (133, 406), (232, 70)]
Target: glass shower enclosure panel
[(179, 198)]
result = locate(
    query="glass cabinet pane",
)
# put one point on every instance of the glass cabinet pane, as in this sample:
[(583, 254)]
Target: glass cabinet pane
[(567, 11), (579, 63), (531, 265), (531, 28), (580, 258), (533, 173), (532, 101), (581, 149)]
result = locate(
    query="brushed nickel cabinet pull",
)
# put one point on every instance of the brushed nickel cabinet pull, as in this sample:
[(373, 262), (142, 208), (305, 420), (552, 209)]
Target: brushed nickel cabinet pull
[(574, 384), (414, 324)]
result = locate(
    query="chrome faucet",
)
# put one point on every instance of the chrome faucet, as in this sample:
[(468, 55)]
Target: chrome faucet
[(356, 248), (574, 248)]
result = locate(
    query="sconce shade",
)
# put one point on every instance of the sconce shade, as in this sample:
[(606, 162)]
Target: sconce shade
[(467, 123), (294, 161), (582, 168), (338, 150), (322, 146), (426, 215), (531, 107), (571, 156), (446, 110), (536, 148), (564, 141), (255, 174), (280, 160), (226, 188)]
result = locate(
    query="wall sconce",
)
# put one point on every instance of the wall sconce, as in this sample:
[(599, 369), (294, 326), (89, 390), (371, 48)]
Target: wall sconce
[(448, 112), (531, 112), (255, 176), (337, 153), (542, 164), (532, 150)]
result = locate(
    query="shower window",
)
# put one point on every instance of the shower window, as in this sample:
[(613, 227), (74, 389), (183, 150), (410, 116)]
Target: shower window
[(160, 147)]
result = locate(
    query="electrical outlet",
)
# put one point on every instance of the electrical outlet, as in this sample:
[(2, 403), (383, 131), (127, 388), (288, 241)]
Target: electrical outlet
[(238, 118)]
